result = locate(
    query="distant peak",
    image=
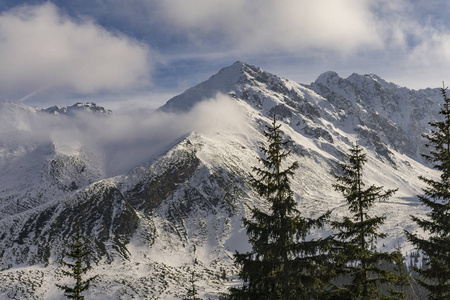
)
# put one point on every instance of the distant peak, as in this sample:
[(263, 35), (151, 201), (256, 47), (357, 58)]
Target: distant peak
[(239, 68), (79, 106), (328, 77), (85, 104), (243, 67), (330, 74), (239, 63), (372, 78)]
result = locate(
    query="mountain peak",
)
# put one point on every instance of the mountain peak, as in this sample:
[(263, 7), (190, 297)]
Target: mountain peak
[(237, 64), (226, 80), (77, 107), (328, 77), (242, 67)]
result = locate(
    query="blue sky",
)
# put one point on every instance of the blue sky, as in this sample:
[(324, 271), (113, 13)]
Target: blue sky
[(142, 52)]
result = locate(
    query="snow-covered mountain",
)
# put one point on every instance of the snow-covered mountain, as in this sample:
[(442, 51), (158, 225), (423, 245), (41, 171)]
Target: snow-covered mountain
[(89, 107), (146, 195)]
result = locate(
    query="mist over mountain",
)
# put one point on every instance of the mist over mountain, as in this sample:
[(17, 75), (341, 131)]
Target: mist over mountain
[(146, 188)]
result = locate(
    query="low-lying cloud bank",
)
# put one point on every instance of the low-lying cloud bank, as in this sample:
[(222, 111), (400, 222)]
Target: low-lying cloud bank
[(118, 142)]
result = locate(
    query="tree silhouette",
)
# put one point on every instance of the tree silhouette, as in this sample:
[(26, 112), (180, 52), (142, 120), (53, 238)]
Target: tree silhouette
[(357, 234), (283, 264), (78, 266), (435, 277)]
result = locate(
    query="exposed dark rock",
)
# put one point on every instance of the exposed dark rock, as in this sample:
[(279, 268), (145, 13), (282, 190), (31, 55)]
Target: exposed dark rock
[(318, 132), (280, 110), (103, 214), (147, 195)]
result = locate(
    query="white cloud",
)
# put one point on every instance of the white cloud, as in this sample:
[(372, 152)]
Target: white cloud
[(431, 48), (132, 138), (427, 64), (42, 48), (121, 141), (288, 25), (405, 40), (417, 42)]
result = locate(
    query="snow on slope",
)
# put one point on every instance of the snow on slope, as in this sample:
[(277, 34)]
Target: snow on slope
[(398, 115), (196, 193), (37, 166)]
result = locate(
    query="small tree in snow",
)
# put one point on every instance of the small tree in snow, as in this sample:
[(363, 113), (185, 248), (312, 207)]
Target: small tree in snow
[(78, 266)]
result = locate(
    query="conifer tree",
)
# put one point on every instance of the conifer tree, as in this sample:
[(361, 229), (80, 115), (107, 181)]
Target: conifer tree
[(356, 236), (283, 263), (78, 266), (436, 247), (402, 277), (192, 293)]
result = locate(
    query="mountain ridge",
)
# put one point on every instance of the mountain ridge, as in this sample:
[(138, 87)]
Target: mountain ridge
[(77, 107)]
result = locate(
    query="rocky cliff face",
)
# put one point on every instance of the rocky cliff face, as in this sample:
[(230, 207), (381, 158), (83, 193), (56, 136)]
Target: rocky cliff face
[(142, 225), (386, 113)]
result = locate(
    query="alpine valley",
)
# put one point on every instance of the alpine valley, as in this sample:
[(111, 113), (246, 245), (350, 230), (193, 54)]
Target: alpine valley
[(149, 187)]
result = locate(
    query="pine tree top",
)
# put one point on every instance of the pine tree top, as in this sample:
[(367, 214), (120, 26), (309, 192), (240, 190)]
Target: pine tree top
[(357, 234), (78, 266)]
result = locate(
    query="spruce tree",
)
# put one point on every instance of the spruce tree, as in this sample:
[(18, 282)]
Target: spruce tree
[(192, 293), (356, 235), (283, 264), (402, 277), (78, 266), (436, 247)]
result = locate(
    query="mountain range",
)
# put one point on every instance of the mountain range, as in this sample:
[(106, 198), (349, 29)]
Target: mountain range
[(146, 189)]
